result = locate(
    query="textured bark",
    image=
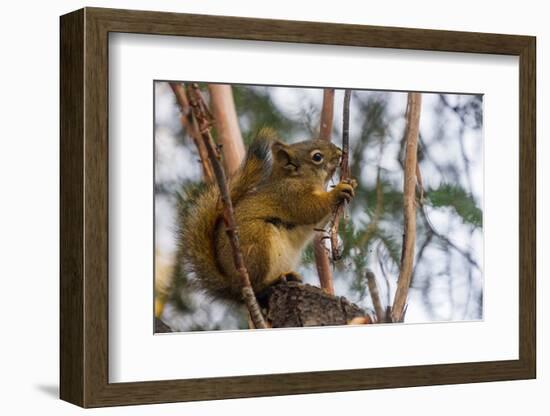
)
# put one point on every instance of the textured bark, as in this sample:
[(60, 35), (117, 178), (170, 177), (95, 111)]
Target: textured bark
[(295, 305), (322, 261), (375, 297), (292, 304), (327, 114), (190, 124), (414, 102), (344, 176), (227, 126)]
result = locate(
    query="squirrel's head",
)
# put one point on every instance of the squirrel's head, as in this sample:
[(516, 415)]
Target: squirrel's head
[(314, 160)]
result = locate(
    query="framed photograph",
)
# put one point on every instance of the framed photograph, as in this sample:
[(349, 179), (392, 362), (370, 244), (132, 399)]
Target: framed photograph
[(255, 207)]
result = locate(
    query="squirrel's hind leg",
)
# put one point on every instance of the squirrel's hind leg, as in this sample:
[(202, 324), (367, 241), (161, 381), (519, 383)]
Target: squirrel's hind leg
[(255, 239), (291, 277)]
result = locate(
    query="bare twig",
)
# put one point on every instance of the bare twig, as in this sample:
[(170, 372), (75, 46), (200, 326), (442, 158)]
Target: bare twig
[(464, 253), (227, 126), (419, 183), (321, 253), (409, 206), (386, 280), (345, 137), (375, 297), (204, 121), (190, 123), (344, 176)]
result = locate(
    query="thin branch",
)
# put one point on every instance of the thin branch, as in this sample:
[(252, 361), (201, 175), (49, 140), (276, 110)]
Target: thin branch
[(190, 123), (344, 176), (204, 121), (227, 125), (375, 297), (322, 261), (409, 206), (419, 183), (386, 280), (345, 137), (420, 255), (327, 114), (447, 241)]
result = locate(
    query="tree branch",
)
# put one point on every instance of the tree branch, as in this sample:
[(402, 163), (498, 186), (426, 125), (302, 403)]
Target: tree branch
[(409, 206), (227, 126), (419, 183), (344, 176), (204, 120), (322, 261), (190, 123), (375, 297), (327, 114), (292, 304), (345, 137)]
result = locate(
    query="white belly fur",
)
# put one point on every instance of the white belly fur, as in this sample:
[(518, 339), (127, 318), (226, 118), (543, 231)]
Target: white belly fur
[(287, 247)]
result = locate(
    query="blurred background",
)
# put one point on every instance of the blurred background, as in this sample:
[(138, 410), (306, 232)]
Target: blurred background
[(447, 281)]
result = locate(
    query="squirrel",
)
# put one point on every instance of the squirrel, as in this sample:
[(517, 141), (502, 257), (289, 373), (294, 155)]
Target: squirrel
[(279, 197)]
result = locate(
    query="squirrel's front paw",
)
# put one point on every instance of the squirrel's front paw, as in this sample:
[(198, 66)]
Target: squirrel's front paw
[(344, 191)]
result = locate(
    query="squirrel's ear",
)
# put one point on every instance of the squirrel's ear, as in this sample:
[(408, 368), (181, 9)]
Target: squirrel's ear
[(283, 156)]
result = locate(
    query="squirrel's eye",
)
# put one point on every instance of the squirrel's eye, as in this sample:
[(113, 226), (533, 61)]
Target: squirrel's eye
[(317, 157)]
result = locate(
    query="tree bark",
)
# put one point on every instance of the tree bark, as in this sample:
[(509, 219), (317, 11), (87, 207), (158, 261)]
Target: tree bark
[(295, 305), (190, 124), (327, 114), (227, 125), (292, 304), (322, 261), (414, 101), (375, 297), (344, 176)]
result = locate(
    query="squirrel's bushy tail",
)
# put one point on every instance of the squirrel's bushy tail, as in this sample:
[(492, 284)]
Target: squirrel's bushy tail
[(197, 226), (198, 223)]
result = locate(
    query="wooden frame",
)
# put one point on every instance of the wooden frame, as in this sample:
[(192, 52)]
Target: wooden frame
[(84, 207)]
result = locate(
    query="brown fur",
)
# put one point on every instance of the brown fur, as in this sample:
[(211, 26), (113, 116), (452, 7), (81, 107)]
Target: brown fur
[(279, 198)]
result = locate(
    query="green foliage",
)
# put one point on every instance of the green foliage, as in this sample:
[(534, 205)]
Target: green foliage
[(308, 256), (374, 127), (392, 245), (375, 123), (393, 199), (456, 197), (256, 109)]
